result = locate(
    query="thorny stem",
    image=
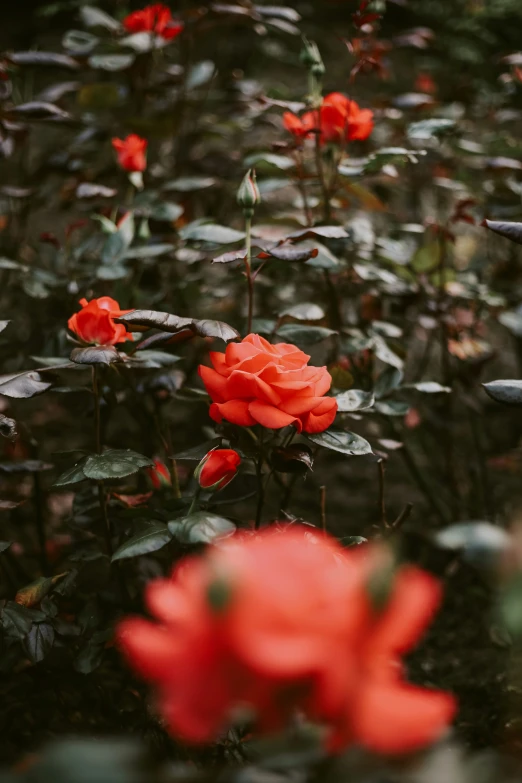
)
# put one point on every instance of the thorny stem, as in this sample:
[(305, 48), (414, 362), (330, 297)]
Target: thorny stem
[(248, 269), (195, 501), (382, 502), (320, 171), (403, 516), (309, 219)]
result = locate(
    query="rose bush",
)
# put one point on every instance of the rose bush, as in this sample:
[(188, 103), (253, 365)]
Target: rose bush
[(255, 382)]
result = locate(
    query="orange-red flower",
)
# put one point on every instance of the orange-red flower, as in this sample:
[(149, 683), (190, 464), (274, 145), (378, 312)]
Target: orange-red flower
[(159, 474), (94, 323), (338, 120), (156, 19), (383, 712), (279, 621), (255, 382), (131, 152), (217, 468)]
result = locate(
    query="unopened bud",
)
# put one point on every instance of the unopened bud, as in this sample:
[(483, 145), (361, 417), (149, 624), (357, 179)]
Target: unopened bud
[(248, 195), (217, 469), (311, 57)]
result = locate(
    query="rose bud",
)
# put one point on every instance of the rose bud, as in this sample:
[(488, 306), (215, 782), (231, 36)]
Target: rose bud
[(217, 469), (159, 475), (248, 195)]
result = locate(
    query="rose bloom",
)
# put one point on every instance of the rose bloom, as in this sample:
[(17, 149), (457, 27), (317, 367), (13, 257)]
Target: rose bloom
[(94, 323), (159, 475), (280, 621), (255, 382), (156, 19), (131, 152), (217, 468), (338, 120)]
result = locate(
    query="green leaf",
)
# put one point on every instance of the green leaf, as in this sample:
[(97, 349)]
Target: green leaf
[(111, 62), (428, 387), (481, 543), (114, 464), (354, 400), (392, 408), (511, 231), (279, 161), (152, 359), (39, 641), (201, 528), (22, 385), (396, 156), (154, 319), (211, 232), (199, 74), (118, 242), (72, 475), (95, 354), (150, 539), (430, 129), (188, 184), (306, 311), (304, 335), (79, 42), (149, 251), (345, 442), (17, 620), (95, 17), (506, 392), (389, 380)]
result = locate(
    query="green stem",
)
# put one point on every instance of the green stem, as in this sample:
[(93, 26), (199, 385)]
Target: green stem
[(195, 501), (248, 269), (320, 171)]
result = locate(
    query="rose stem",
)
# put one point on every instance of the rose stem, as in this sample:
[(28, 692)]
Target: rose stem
[(382, 503), (248, 268)]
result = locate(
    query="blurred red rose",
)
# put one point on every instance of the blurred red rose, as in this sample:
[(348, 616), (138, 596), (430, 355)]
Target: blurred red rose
[(131, 152), (217, 468), (255, 382), (94, 323), (281, 621), (383, 712), (156, 19), (338, 120), (159, 475)]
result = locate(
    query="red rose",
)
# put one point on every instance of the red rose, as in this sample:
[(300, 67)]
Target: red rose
[(338, 120), (217, 469), (153, 19), (159, 475), (131, 152), (383, 712), (281, 621), (94, 323), (255, 382)]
